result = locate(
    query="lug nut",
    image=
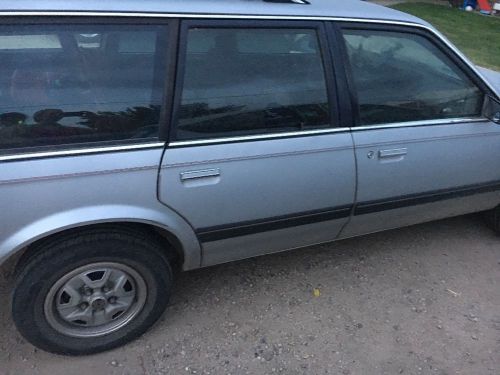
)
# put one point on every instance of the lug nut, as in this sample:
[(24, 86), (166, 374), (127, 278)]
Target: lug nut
[(84, 305), (112, 299), (88, 291), (105, 289)]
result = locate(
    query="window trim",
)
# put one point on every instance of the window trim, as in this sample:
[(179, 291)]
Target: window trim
[(170, 76), (81, 148), (98, 149), (454, 57), (328, 69), (339, 54), (256, 137)]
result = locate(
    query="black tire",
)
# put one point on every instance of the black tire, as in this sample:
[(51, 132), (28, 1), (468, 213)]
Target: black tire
[(53, 259), (492, 218)]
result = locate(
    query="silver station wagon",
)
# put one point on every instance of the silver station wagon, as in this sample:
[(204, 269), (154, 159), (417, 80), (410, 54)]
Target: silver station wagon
[(138, 138)]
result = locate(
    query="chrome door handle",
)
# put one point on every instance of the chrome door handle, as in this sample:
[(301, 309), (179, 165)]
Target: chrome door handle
[(193, 175), (394, 153)]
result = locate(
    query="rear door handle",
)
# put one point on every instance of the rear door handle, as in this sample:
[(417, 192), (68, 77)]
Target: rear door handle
[(205, 173), (396, 153)]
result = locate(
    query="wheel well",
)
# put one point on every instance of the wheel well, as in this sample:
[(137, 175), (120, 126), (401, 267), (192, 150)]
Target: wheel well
[(172, 247)]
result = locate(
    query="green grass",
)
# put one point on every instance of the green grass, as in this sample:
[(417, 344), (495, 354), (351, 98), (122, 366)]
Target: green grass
[(475, 35)]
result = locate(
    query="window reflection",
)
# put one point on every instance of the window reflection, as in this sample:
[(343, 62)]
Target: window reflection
[(252, 81), (47, 126), (77, 84), (402, 77)]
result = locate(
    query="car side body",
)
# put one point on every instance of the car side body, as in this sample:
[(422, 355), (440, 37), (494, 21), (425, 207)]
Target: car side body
[(48, 192), (232, 129)]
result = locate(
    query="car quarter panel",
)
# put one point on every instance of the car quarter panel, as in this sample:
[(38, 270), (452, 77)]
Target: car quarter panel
[(46, 196)]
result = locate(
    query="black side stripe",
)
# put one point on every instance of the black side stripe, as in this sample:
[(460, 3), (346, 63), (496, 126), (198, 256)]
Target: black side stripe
[(221, 232), (226, 231), (422, 198)]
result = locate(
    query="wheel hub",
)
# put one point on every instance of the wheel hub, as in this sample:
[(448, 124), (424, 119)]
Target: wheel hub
[(98, 303), (95, 299)]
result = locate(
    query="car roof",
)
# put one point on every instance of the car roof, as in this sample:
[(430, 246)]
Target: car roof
[(347, 9)]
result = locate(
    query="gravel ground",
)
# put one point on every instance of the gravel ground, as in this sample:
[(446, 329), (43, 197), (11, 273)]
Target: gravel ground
[(417, 300)]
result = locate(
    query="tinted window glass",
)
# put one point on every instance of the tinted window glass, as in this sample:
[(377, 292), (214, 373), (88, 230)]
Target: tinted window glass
[(21, 42), (89, 40), (137, 42), (252, 81), (404, 77), (65, 84)]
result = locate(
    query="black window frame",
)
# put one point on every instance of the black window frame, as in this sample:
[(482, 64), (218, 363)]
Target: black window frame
[(337, 28), (328, 67), (166, 78)]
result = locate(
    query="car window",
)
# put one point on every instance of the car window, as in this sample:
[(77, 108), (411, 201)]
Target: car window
[(266, 41), (69, 84), (403, 77), (252, 81), (89, 40), (137, 42), (30, 41)]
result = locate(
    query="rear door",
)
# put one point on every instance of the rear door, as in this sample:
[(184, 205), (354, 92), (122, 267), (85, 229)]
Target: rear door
[(424, 150), (258, 160)]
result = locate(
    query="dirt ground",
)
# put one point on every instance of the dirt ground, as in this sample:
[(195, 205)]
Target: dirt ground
[(417, 300)]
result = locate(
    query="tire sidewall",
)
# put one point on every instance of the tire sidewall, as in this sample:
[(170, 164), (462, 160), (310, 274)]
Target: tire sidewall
[(36, 280)]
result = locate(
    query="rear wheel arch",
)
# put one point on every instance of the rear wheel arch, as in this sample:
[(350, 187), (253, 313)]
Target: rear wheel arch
[(171, 245)]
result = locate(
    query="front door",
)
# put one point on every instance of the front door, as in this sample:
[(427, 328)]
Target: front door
[(257, 162), (423, 149)]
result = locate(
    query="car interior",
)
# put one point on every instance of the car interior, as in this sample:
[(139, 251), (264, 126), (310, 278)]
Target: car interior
[(58, 88), (245, 81)]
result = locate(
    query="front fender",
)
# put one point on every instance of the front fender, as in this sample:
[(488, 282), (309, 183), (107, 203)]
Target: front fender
[(165, 219)]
